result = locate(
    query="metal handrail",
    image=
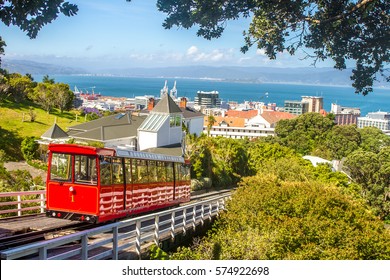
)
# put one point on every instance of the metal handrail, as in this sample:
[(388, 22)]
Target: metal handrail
[(109, 241)]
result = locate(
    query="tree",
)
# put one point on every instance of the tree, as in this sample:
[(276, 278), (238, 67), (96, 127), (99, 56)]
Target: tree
[(29, 148), (44, 96), (19, 87), (47, 80), (342, 140), (273, 219), (210, 122), (63, 96), (31, 16), (303, 134), (372, 172), (373, 139), (337, 29)]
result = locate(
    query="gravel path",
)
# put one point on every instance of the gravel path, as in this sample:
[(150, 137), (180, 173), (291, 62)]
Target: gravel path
[(22, 165)]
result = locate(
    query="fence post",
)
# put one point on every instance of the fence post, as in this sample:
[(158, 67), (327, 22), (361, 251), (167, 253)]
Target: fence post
[(156, 230), (202, 215), (184, 221), (84, 247), (194, 217), (42, 203), (43, 253), (173, 225), (19, 205), (115, 243), (138, 238)]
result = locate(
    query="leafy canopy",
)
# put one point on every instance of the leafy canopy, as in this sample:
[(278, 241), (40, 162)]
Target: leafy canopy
[(30, 16), (337, 29)]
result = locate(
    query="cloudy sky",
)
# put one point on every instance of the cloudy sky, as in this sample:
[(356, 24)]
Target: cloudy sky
[(117, 34)]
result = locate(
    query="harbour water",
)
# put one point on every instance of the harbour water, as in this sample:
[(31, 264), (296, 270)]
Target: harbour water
[(230, 91)]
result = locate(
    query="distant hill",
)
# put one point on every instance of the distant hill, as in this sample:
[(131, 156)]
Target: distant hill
[(37, 68), (307, 75), (304, 75)]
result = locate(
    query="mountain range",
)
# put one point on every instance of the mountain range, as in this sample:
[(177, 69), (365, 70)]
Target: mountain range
[(305, 75)]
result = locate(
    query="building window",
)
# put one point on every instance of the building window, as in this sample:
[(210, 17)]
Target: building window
[(175, 121)]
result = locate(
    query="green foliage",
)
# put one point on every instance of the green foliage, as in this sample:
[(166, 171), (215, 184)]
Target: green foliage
[(372, 172), (270, 218), (32, 16), (304, 133), (260, 153), (373, 139), (223, 160), (10, 144), (29, 148), (156, 253), (339, 30), (342, 140)]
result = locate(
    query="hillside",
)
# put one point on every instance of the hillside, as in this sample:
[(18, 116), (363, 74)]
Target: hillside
[(15, 125)]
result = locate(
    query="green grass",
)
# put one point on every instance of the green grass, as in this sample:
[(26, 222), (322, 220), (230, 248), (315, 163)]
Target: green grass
[(15, 124)]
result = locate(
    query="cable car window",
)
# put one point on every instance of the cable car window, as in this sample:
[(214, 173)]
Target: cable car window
[(161, 172), (128, 167), (105, 171), (152, 171), (85, 169), (141, 171), (117, 171), (169, 171), (61, 167)]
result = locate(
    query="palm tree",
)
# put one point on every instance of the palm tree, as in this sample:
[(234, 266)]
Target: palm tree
[(210, 122)]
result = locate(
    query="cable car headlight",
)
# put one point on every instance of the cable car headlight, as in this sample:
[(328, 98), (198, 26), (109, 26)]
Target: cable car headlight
[(71, 189)]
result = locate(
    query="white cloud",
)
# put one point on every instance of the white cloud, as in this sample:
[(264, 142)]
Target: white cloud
[(216, 55), (193, 50), (260, 52)]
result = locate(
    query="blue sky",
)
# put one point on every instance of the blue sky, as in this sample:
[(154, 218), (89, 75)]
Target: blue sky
[(117, 34)]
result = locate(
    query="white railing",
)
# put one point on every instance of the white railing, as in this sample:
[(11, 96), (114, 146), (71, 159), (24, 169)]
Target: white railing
[(122, 239), (22, 202)]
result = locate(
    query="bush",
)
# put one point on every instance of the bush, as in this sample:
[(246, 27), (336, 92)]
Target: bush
[(29, 148)]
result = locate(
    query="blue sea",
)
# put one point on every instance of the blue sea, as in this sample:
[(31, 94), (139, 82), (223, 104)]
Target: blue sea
[(377, 100)]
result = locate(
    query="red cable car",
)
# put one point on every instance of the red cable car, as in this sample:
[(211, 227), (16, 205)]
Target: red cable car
[(100, 184)]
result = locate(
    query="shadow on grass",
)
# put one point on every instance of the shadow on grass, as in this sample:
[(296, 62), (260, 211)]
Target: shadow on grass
[(10, 143)]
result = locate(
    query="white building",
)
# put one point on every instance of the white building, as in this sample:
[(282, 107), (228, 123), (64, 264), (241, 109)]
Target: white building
[(163, 126), (378, 119)]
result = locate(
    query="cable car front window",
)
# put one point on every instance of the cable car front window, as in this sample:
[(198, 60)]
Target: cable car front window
[(85, 169), (61, 167)]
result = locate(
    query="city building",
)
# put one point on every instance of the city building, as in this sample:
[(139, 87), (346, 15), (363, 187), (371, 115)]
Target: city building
[(207, 99), (295, 107), (378, 119), (306, 105), (315, 103), (245, 124), (345, 115), (269, 119)]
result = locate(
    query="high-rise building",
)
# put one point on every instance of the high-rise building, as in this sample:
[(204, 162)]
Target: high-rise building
[(208, 99), (315, 103)]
